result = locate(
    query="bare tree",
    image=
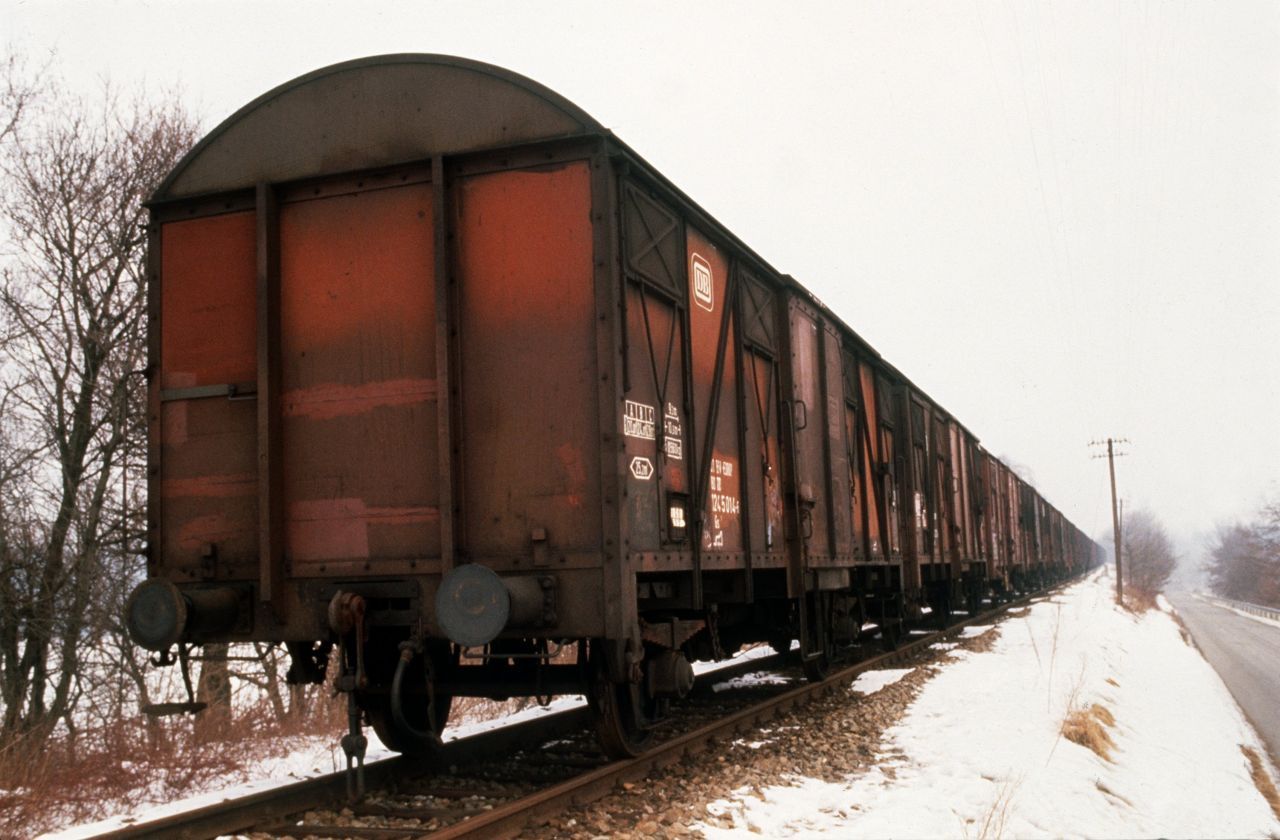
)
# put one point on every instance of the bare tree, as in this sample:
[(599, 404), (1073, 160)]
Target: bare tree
[(72, 319), (18, 92), (1244, 559), (1149, 556)]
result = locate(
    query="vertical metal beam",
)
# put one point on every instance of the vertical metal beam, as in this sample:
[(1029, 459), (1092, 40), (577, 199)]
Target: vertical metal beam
[(445, 385), (684, 315), (869, 469), (866, 473), (957, 492), (621, 621), (788, 394), (905, 442), (824, 395), (798, 545), (745, 491), (703, 476), (271, 569), (155, 239)]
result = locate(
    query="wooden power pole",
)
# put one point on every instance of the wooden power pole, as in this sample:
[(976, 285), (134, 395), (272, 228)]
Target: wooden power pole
[(1115, 512)]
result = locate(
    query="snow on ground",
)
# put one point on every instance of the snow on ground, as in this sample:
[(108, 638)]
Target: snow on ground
[(752, 680), (316, 756), (312, 756), (869, 682), (993, 763), (979, 753)]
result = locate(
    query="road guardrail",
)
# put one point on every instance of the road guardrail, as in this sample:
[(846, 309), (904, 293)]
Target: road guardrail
[(1244, 606)]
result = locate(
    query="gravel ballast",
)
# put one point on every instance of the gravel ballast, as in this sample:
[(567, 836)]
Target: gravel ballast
[(830, 738)]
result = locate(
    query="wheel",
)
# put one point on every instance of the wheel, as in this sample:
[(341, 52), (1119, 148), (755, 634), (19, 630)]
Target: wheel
[(780, 643), (939, 595), (816, 659), (378, 710), (622, 718), (890, 635), (624, 714), (419, 715), (890, 619), (817, 667)]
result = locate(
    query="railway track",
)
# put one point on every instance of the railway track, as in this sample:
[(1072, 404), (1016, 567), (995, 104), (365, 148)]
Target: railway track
[(495, 783)]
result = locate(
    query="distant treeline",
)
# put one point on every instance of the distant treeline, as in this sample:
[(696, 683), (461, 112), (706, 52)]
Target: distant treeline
[(1244, 558)]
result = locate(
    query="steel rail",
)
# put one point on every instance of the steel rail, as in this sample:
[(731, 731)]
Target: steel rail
[(510, 819), (242, 813), (507, 820)]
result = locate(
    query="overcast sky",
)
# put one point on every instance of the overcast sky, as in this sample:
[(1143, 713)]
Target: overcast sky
[(1061, 220)]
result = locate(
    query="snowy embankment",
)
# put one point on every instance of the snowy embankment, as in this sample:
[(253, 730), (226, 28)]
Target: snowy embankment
[(981, 750), (313, 756)]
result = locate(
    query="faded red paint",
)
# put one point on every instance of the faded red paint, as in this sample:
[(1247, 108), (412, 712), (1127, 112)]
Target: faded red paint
[(173, 422), (208, 336), (209, 327), (358, 395), (526, 315), (339, 529), (196, 533), (212, 486), (574, 472), (324, 402)]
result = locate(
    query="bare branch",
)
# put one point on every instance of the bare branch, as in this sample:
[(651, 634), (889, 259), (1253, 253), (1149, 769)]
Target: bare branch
[(72, 306)]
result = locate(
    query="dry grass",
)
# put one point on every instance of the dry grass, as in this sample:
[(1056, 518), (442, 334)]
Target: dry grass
[(1112, 681), (1262, 779), (1035, 648), (130, 762), (61, 782), (1088, 727), (1183, 631), (1053, 653), (992, 825), (1137, 600), (1108, 792)]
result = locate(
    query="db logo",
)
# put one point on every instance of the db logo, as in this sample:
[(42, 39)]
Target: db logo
[(703, 290)]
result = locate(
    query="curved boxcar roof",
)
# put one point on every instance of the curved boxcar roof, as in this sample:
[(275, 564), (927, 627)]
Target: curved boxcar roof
[(391, 109), (373, 112)]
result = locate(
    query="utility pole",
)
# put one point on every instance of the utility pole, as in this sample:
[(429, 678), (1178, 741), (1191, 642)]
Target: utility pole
[(1119, 538), (1115, 513)]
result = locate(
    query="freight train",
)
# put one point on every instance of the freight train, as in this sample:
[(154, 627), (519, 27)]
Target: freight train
[(445, 375)]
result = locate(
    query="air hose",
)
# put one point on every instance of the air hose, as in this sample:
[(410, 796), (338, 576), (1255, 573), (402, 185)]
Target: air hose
[(429, 738)]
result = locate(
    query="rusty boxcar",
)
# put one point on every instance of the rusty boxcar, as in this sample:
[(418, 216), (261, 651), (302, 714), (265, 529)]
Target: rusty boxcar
[(444, 373)]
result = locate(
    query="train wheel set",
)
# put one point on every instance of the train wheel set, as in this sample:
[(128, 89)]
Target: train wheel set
[(445, 376)]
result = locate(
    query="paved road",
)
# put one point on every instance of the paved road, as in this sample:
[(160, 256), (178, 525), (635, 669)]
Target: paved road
[(1246, 654)]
